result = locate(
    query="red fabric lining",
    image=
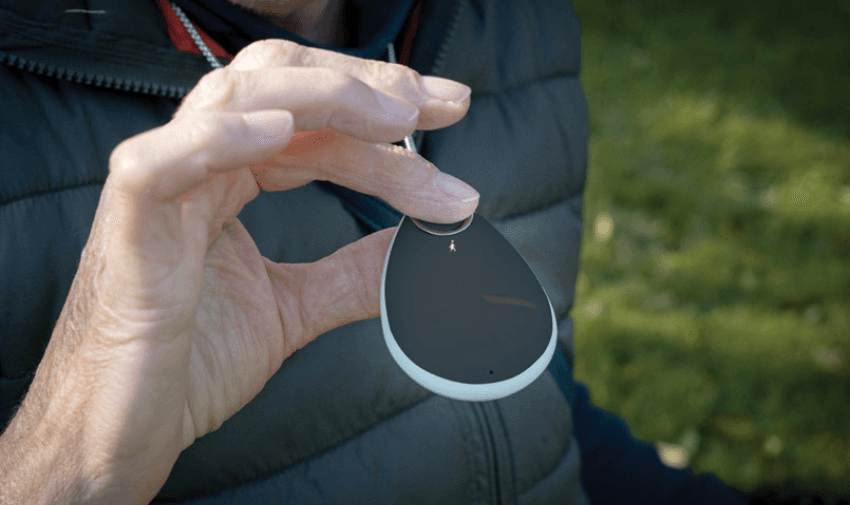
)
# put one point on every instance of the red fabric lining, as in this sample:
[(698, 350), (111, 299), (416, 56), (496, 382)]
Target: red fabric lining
[(179, 35), (412, 25)]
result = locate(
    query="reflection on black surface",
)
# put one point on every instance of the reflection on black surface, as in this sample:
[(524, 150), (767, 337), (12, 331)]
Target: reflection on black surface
[(509, 301)]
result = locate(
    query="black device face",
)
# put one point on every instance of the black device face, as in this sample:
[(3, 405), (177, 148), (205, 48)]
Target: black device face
[(465, 306)]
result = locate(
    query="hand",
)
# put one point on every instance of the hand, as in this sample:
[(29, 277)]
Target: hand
[(174, 320)]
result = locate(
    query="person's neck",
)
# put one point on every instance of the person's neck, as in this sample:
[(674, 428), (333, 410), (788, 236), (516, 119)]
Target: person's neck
[(321, 21)]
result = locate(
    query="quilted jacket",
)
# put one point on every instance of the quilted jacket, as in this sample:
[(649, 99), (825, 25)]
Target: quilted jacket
[(340, 422)]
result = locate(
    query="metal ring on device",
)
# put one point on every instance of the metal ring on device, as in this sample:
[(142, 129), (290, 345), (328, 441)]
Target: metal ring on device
[(464, 225)]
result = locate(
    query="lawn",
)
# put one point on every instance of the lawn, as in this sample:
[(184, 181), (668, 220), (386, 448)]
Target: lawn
[(713, 302)]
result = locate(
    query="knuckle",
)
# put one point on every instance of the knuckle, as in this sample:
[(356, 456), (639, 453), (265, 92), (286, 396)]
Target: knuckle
[(393, 76), (120, 158), (385, 74), (200, 130), (312, 57), (354, 279), (265, 53), (239, 88), (213, 91), (221, 128), (213, 79), (285, 52), (207, 129), (255, 50), (126, 167), (338, 85)]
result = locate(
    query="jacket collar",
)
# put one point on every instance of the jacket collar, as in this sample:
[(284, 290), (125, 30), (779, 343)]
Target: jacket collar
[(126, 45), (373, 24), (122, 45)]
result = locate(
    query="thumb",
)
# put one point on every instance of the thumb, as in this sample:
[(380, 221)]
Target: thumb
[(314, 298)]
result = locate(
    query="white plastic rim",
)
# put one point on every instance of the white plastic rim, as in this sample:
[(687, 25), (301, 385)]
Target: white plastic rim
[(462, 390)]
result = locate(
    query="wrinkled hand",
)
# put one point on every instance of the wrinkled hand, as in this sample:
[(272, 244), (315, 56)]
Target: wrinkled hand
[(174, 320)]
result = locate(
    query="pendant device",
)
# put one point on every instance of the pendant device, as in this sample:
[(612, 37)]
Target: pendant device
[(461, 311)]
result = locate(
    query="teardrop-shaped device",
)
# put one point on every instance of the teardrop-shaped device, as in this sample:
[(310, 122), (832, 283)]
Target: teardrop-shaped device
[(462, 312)]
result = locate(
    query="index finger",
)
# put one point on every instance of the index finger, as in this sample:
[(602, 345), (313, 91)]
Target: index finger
[(438, 99)]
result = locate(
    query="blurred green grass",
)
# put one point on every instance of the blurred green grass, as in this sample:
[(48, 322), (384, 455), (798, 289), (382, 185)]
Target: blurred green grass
[(713, 302)]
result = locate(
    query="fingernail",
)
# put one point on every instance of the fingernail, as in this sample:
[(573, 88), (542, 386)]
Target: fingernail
[(401, 109), (269, 123), (445, 89), (456, 188)]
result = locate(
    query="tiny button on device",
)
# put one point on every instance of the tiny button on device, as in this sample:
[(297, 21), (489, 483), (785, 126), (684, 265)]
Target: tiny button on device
[(442, 228)]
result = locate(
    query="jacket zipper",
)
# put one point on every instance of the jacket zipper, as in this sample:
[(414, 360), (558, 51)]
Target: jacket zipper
[(488, 420), (102, 81), (439, 60), (492, 454)]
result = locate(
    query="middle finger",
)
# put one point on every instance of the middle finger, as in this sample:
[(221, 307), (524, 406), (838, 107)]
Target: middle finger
[(318, 98), (442, 102)]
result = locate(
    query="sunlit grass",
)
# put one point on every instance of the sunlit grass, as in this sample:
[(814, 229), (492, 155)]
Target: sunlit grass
[(713, 303)]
